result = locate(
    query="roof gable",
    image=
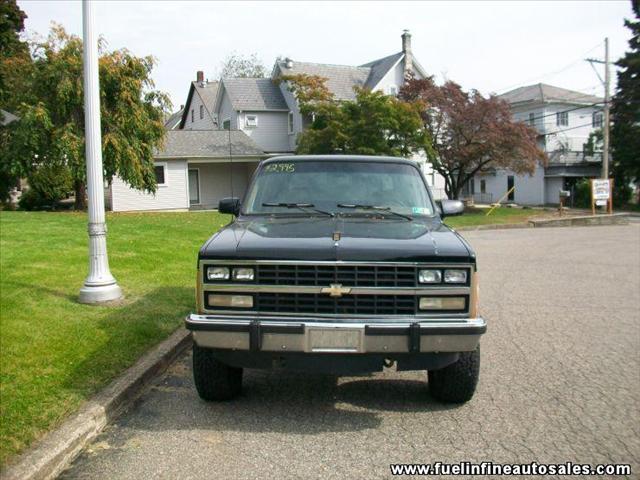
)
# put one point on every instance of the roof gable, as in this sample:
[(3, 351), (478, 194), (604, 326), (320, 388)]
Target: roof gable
[(207, 93), (544, 93), (380, 68)]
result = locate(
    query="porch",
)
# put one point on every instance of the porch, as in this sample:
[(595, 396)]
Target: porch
[(209, 182)]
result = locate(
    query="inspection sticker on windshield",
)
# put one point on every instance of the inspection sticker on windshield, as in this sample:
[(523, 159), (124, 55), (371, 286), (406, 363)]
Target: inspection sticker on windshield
[(420, 210), (280, 168)]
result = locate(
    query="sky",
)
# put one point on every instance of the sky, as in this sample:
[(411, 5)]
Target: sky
[(488, 46)]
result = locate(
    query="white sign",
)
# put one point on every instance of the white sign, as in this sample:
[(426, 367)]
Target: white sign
[(601, 189), (601, 203)]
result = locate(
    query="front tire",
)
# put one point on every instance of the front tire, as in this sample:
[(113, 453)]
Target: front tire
[(215, 381), (456, 383)]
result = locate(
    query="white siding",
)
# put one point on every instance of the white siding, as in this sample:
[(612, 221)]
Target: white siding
[(292, 103), (215, 180), (271, 132), (395, 77), (172, 196), (205, 123), (529, 188), (553, 185), (227, 112)]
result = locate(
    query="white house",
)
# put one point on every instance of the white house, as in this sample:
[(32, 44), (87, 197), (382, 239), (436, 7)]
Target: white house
[(194, 170), (564, 120)]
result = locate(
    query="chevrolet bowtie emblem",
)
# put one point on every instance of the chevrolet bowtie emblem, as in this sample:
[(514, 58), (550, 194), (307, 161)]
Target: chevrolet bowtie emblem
[(336, 290)]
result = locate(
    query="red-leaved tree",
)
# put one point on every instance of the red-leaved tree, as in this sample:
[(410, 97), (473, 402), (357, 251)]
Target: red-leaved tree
[(471, 133)]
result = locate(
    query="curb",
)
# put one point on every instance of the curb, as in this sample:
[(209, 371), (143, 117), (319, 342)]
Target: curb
[(53, 453), (494, 226), (583, 221)]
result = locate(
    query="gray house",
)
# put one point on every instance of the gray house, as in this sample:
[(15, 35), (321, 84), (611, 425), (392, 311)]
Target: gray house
[(564, 120), (195, 169)]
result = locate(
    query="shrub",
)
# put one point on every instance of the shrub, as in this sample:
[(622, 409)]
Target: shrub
[(48, 184)]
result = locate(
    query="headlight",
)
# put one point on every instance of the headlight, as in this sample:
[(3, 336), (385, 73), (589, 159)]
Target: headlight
[(239, 301), (455, 276), (218, 273), (430, 276), (442, 303), (243, 274)]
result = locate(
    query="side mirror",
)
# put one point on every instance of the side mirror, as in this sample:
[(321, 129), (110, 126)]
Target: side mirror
[(229, 205), (451, 208)]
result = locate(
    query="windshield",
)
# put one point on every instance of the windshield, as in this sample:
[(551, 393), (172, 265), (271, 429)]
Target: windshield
[(345, 187)]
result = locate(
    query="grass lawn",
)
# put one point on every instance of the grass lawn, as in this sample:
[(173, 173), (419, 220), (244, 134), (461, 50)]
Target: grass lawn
[(500, 215), (54, 352)]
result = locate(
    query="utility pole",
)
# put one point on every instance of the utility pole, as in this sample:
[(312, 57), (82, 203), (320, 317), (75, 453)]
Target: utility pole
[(99, 286), (605, 129)]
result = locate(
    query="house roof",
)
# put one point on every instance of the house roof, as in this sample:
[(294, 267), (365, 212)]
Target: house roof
[(341, 79), (7, 117), (543, 93), (254, 94), (207, 144), (208, 91), (379, 68), (172, 122)]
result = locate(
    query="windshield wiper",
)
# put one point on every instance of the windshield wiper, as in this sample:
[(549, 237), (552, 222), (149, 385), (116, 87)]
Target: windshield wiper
[(305, 207), (376, 209)]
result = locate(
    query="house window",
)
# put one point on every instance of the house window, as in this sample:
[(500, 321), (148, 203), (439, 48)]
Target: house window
[(562, 119), (226, 124), (290, 122), (192, 118), (160, 171), (251, 121), (483, 186), (510, 189), (597, 120), (201, 112), (393, 90), (532, 119)]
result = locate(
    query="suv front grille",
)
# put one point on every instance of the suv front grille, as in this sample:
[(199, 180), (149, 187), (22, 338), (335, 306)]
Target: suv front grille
[(323, 304), (347, 275)]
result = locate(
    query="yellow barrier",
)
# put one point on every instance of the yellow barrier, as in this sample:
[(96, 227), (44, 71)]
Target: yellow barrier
[(502, 198)]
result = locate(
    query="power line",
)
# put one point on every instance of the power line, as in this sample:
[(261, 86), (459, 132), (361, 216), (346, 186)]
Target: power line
[(566, 67)]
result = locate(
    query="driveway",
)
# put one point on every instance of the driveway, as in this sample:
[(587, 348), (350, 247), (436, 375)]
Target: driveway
[(560, 381)]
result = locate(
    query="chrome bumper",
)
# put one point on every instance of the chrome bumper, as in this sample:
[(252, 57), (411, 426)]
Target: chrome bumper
[(304, 334)]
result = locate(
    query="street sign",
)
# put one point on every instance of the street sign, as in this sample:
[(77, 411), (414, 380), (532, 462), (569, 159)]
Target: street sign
[(601, 189)]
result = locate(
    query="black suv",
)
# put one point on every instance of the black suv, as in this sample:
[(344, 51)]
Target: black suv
[(337, 264)]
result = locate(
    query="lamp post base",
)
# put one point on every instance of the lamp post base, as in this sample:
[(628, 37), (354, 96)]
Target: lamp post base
[(100, 293)]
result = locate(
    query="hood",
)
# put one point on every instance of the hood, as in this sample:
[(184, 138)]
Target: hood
[(360, 239)]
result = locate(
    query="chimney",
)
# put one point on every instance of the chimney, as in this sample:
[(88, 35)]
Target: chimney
[(200, 76), (288, 63), (408, 55)]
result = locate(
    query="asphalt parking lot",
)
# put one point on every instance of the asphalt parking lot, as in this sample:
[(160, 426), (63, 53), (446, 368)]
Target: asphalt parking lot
[(560, 381)]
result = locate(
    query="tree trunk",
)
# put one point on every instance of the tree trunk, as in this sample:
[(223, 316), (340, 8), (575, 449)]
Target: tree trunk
[(81, 195)]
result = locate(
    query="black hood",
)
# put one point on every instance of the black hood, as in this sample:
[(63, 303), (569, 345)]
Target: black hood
[(360, 239)]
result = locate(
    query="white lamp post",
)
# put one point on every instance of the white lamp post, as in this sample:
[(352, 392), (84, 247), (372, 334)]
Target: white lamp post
[(99, 286)]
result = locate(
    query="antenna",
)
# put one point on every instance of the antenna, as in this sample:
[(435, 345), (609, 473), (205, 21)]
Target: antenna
[(230, 159)]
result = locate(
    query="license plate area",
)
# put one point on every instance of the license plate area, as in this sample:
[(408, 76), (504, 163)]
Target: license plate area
[(334, 340)]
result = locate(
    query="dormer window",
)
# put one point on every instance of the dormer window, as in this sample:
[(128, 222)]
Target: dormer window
[(201, 112), (251, 121)]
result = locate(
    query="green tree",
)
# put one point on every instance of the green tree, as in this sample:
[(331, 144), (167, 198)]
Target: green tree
[(625, 112), (371, 124), (51, 126)]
